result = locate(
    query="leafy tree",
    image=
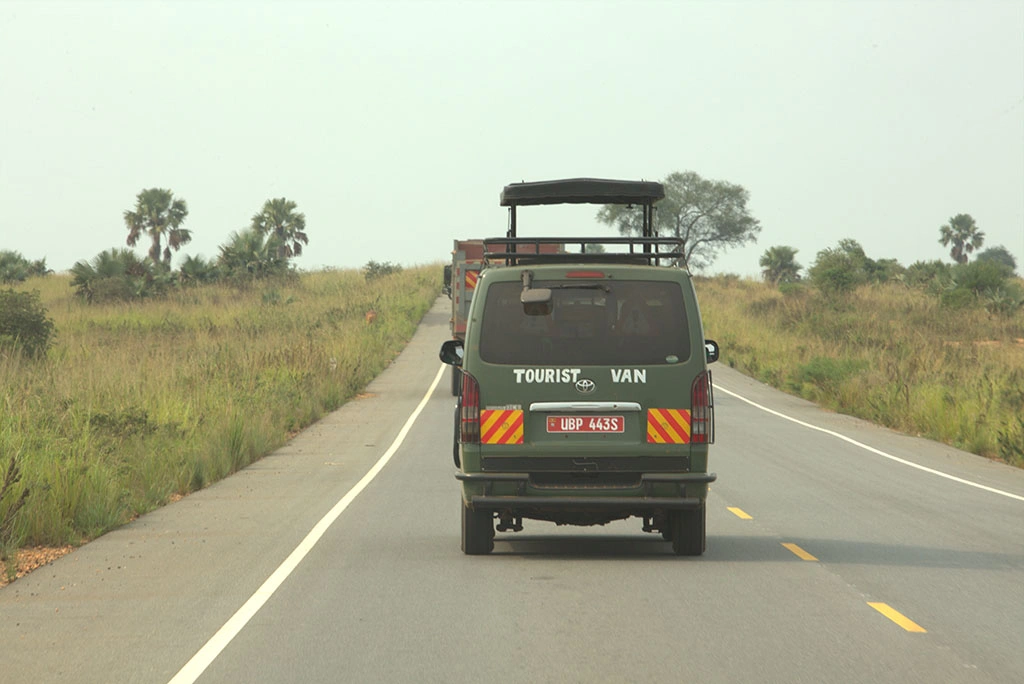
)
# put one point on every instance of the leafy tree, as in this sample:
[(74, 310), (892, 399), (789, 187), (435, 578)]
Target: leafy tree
[(778, 265), (250, 253), (14, 268), (23, 323), (116, 274), (962, 232), (158, 215), (999, 254), (279, 219), (840, 270), (706, 215)]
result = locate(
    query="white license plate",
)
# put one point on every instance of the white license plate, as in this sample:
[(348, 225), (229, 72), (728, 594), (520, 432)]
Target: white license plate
[(574, 424)]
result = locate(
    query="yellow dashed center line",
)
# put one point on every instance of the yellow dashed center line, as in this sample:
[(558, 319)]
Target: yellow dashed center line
[(740, 514), (897, 617), (798, 552)]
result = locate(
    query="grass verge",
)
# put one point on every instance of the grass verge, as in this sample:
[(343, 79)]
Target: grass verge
[(138, 403), (887, 353)]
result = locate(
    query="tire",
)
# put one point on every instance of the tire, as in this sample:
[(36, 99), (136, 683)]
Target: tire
[(688, 531), (477, 531), (456, 381)]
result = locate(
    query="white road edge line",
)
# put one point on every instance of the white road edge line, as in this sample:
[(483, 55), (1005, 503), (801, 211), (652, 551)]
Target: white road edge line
[(873, 450), (219, 641)]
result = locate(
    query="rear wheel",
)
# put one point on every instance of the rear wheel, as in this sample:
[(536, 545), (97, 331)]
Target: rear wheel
[(688, 531), (477, 531)]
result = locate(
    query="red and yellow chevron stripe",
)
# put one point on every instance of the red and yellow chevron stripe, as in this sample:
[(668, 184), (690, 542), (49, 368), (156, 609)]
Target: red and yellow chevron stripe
[(668, 426), (471, 278), (501, 426)]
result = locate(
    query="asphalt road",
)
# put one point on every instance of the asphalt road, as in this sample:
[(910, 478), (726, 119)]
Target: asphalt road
[(891, 574)]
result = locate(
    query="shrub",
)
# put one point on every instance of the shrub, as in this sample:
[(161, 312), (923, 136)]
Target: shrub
[(118, 275), (933, 276), (23, 323), (12, 499), (14, 268), (840, 270), (986, 281), (1011, 442), (196, 270), (373, 270), (826, 373), (981, 276)]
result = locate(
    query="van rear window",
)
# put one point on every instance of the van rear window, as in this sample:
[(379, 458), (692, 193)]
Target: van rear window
[(590, 323)]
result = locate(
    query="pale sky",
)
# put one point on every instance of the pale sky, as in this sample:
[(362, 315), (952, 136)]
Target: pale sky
[(395, 125)]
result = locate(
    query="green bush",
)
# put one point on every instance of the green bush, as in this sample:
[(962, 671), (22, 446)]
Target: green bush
[(23, 323), (981, 276), (14, 268), (988, 282), (1011, 442), (118, 275), (931, 276), (826, 373), (840, 270), (373, 270)]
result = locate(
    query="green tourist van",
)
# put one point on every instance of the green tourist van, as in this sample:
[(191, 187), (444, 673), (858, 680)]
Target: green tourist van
[(585, 394)]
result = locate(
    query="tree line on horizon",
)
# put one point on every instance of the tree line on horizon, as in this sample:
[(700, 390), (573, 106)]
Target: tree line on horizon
[(707, 216), (988, 280)]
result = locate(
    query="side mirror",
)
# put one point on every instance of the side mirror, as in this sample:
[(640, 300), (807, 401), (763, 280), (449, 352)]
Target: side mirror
[(451, 352), (711, 350), (536, 302)]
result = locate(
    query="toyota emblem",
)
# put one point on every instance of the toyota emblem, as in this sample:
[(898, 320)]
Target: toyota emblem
[(585, 386)]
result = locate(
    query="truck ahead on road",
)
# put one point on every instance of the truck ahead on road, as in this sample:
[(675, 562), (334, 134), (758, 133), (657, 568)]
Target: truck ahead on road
[(460, 282), (585, 395)]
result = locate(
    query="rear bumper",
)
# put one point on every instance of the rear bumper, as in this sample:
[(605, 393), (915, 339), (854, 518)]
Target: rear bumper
[(584, 503), (561, 500)]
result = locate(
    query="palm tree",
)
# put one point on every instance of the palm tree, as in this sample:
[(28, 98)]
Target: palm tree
[(248, 252), (963, 233), (112, 274), (13, 267), (279, 219), (158, 214), (778, 265), (194, 270)]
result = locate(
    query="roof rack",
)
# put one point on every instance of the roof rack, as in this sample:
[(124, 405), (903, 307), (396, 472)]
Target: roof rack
[(583, 191), (649, 250)]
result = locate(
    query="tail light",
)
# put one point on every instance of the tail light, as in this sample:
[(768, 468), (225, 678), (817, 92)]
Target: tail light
[(469, 414), (702, 410)]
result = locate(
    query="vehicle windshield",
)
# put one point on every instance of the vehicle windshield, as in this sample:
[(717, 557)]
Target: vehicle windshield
[(590, 323)]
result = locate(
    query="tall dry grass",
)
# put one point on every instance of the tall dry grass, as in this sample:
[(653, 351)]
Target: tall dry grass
[(138, 402), (887, 353)]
